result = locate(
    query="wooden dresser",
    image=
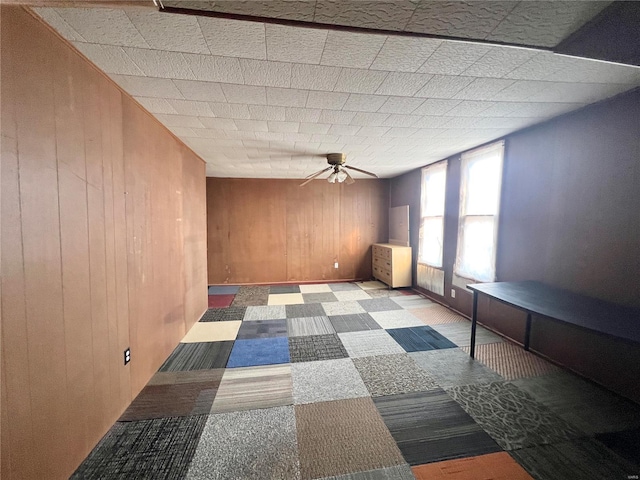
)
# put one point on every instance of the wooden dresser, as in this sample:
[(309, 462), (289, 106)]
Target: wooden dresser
[(392, 264)]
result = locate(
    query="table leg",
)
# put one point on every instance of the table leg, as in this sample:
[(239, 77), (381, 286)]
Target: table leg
[(527, 332), (474, 321)]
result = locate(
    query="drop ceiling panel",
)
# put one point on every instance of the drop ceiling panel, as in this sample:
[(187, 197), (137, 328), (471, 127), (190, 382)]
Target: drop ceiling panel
[(109, 58), (404, 54), (204, 91), (296, 45), (353, 80), (343, 49), (268, 74), (230, 38), (103, 25), (182, 34), (161, 63)]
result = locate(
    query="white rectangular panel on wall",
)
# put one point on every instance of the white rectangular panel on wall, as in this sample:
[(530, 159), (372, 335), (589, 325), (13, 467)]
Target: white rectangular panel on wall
[(399, 225)]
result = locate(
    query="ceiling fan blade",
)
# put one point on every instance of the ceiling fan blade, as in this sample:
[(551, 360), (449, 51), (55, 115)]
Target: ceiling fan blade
[(317, 174), (361, 171), (349, 179)]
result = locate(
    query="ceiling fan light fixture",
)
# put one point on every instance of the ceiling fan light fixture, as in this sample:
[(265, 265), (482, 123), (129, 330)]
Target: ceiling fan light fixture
[(332, 178), (341, 176)]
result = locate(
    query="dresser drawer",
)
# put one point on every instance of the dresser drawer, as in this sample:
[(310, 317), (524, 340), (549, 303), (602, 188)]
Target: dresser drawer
[(381, 252), (381, 262), (391, 264)]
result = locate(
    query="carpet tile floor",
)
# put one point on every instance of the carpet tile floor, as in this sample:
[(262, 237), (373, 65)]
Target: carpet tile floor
[(356, 381)]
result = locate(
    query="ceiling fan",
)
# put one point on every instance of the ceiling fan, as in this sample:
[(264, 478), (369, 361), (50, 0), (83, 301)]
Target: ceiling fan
[(337, 164)]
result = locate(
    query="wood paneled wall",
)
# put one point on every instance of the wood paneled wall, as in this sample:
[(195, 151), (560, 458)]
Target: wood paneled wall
[(262, 231), (103, 231), (569, 218)]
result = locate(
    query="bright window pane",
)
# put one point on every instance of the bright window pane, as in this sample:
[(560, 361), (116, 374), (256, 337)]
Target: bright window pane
[(431, 241), (434, 186), (483, 186), (476, 259)]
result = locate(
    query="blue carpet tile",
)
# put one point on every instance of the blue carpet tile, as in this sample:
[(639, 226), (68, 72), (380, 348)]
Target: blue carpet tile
[(223, 289), (259, 351), (418, 339), (262, 329)]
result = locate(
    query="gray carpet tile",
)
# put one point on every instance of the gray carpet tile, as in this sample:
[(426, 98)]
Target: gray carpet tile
[(584, 404), (342, 308), (304, 310), (451, 367), (430, 427), (396, 319), (263, 329), (251, 296), (276, 289), (355, 322), (413, 301), (343, 287), (350, 295), (369, 343), (326, 380), (223, 314), (198, 356), (399, 472), (393, 374), (148, 449), (265, 312), (251, 444), (379, 305), (511, 416), (319, 297), (300, 327), (316, 347), (584, 459), (460, 333), (384, 293)]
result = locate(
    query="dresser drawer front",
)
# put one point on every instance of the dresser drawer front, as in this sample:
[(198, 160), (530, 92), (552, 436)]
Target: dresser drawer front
[(381, 252)]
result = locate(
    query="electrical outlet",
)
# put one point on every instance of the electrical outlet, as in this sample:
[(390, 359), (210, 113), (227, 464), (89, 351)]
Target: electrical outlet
[(453, 293), (127, 356), (335, 265)]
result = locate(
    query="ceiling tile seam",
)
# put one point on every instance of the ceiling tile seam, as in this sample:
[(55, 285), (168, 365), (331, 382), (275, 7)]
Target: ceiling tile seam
[(373, 60), (55, 10), (415, 7), (136, 29), (515, 4), (203, 35)]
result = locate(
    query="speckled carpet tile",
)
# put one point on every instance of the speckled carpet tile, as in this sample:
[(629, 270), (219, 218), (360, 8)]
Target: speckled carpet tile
[(355, 381)]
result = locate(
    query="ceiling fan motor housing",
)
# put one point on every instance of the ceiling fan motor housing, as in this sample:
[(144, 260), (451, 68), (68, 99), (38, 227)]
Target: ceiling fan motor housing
[(336, 158)]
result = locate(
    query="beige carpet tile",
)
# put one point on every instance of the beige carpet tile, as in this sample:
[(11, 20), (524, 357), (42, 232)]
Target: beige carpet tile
[(511, 361), (315, 288), (212, 332), (342, 308), (437, 314), (285, 299), (343, 436), (396, 319), (350, 295)]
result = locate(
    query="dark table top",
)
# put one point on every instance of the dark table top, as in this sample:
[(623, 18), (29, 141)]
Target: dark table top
[(586, 312)]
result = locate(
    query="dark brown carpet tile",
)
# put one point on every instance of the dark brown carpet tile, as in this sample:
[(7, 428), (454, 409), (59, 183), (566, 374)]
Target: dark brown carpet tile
[(249, 296), (148, 449), (393, 374), (343, 436), (431, 427), (512, 417), (304, 310), (355, 322), (583, 459), (316, 347), (198, 356), (223, 314)]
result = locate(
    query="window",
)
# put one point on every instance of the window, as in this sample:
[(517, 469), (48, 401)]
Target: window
[(480, 185), (434, 179)]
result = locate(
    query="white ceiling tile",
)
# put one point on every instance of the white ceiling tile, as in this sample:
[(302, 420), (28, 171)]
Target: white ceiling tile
[(405, 105), (156, 105), (346, 49), (401, 120), (334, 116), (52, 17), (331, 147), (377, 14), (544, 110), (289, 9), (245, 94), (184, 132), (424, 135), (436, 106), (344, 130), (103, 25), (353, 80), (314, 128), (179, 120), (190, 107), (263, 73), (286, 97), (444, 86), (520, 91), (483, 89), (283, 126), (369, 119), (230, 110), (219, 123), (538, 67), (453, 58), (209, 133), (296, 137), (327, 100), (576, 92), (461, 122), (267, 112), (402, 84), (514, 123), (580, 70), (400, 132), (109, 58), (296, 45), (252, 125), (499, 61), (160, 63), (214, 69), (469, 108), (233, 38), (431, 122), (404, 54), (179, 33), (364, 103), (314, 77), (501, 109), (324, 138), (204, 91), (294, 114), (147, 87)]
